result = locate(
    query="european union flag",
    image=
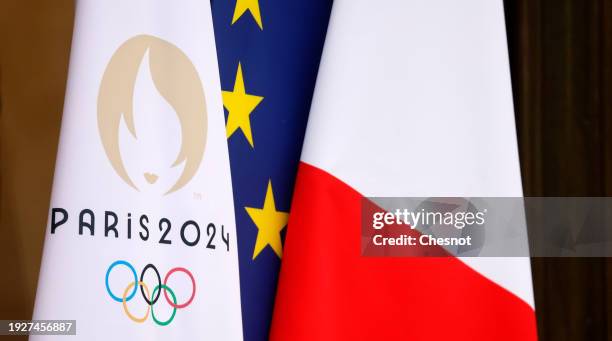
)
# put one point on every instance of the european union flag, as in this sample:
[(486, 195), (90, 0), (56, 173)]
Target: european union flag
[(268, 53)]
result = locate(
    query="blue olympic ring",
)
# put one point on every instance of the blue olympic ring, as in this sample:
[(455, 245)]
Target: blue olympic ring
[(121, 262)]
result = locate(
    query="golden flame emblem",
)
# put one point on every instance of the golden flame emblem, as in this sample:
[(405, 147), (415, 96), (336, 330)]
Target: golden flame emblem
[(177, 81)]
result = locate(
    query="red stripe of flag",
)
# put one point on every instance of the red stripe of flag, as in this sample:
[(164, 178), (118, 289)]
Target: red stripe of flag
[(328, 291)]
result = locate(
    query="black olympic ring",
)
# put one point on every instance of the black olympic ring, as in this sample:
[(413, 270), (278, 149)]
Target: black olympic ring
[(158, 281)]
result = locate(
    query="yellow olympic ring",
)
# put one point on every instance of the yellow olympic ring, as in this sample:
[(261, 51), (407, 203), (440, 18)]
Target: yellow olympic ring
[(125, 308)]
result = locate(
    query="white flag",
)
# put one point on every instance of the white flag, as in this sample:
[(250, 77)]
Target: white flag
[(141, 239)]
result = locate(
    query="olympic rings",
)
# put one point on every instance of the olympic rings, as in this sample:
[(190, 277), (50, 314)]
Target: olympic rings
[(144, 289)]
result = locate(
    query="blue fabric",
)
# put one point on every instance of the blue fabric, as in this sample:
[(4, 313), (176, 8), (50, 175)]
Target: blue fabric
[(279, 63)]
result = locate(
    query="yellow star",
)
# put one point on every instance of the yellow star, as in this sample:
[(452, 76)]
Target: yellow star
[(244, 5), (270, 223), (240, 105)]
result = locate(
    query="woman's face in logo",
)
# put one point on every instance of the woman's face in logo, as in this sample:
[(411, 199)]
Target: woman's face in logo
[(152, 115)]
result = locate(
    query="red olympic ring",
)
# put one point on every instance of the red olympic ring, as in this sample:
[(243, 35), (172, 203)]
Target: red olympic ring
[(193, 283)]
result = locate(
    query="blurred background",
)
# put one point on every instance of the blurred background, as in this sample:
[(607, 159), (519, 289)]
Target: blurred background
[(561, 65)]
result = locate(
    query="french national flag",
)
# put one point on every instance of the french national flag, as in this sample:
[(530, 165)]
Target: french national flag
[(413, 99)]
